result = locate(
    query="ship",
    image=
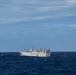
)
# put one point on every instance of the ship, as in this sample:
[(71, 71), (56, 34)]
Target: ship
[(36, 53)]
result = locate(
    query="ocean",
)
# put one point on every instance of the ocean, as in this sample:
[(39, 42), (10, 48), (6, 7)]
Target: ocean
[(60, 63)]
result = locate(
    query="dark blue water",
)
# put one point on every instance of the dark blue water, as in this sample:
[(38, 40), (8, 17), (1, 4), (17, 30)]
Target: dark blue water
[(57, 64)]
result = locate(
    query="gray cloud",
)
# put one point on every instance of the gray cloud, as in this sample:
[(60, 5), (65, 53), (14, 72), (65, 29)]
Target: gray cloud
[(27, 10)]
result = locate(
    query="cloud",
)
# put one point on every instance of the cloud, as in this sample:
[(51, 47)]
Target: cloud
[(72, 1), (72, 27), (32, 10)]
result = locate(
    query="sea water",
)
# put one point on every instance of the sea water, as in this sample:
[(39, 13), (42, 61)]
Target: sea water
[(60, 63)]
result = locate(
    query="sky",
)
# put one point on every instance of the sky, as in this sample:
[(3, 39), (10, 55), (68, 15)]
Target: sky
[(26, 24)]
